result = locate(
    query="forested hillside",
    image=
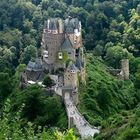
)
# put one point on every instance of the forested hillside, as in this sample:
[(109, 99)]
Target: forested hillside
[(111, 32), (109, 102)]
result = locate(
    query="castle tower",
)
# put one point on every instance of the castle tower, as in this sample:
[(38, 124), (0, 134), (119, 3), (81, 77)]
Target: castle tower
[(53, 37), (71, 82), (72, 27), (70, 76), (61, 43), (125, 68)]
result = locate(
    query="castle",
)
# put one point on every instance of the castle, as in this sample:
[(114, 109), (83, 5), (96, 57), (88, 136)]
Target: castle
[(62, 51), (61, 43), (62, 58), (62, 55)]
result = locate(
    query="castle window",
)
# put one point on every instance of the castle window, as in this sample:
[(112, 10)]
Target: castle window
[(60, 55), (54, 31), (75, 41), (49, 31), (72, 71), (44, 30), (46, 47), (69, 52), (45, 54)]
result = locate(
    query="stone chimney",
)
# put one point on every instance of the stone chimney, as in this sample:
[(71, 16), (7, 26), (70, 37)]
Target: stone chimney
[(61, 28)]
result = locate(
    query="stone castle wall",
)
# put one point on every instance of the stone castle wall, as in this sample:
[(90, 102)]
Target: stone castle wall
[(52, 44), (125, 68), (70, 79)]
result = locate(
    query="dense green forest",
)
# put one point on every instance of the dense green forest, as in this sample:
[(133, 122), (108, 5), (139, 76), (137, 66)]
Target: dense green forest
[(111, 32)]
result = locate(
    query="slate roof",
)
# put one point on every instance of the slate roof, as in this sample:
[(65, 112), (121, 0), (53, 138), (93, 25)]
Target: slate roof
[(72, 67), (75, 23), (72, 22), (36, 66), (78, 63), (53, 25), (67, 45)]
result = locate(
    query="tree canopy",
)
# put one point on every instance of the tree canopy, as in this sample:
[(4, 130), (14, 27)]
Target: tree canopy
[(110, 31)]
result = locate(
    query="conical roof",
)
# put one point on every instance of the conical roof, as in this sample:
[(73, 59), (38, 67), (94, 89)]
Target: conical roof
[(71, 67), (37, 65)]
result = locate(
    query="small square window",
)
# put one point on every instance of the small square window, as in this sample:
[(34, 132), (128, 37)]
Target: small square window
[(60, 55)]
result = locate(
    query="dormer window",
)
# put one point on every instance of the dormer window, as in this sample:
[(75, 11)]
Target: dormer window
[(60, 55), (49, 31), (69, 30), (54, 31)]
